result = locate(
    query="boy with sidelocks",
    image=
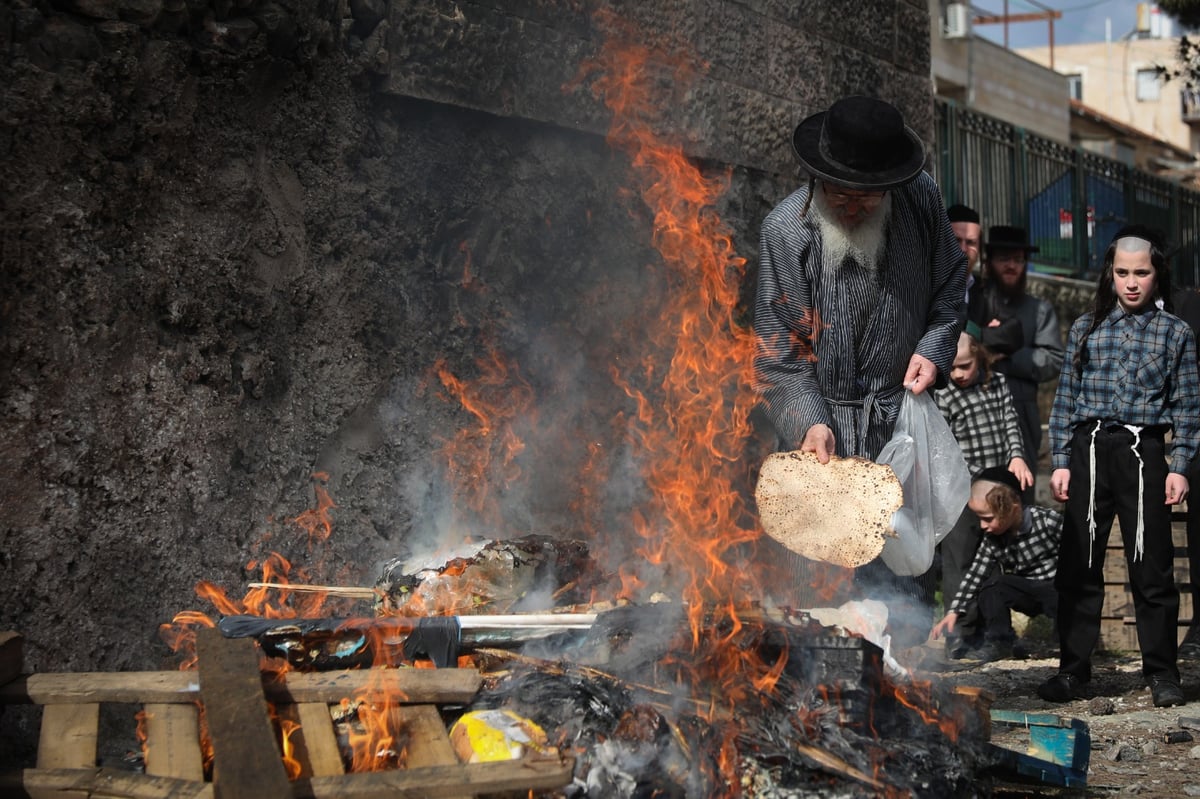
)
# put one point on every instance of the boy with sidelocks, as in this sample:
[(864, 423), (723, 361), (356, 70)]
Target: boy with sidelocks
[(1129, 376), (979, 409), (1013, 569)]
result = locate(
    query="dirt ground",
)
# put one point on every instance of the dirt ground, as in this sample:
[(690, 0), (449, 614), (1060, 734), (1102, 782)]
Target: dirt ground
[(1130, 755)]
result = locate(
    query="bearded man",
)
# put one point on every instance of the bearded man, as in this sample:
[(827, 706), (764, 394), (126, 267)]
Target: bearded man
[(860, 288), (1021, 330)]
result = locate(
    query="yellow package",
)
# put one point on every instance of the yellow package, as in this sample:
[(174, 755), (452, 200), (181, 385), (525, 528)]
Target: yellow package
[(483, 736)]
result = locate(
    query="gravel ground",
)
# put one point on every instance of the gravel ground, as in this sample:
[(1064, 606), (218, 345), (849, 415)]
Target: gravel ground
[(1137, 749)]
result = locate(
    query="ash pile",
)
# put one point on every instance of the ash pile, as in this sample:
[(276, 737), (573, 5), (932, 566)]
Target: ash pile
[(748, 706)]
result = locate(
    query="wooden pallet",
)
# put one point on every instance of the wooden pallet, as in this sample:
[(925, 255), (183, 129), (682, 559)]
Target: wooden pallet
[(247, 762)]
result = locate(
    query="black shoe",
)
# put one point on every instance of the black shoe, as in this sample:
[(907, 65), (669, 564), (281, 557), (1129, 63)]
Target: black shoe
[(956, 650), (1062, 688), (993, 650), (1190, 648), (1166, 692)]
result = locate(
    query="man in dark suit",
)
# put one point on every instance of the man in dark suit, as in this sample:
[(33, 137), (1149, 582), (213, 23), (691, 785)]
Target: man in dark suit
[(1187, 308), (1021, 330)]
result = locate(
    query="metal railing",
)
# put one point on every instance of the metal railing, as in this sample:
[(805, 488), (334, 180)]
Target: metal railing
[(1013, 177)]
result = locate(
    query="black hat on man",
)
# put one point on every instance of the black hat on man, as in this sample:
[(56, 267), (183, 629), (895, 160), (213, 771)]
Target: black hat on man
[(961, 213), (998, 474), (859, 143), (1007, 237)]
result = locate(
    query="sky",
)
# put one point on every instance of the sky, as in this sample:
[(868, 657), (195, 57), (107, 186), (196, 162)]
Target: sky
[(1082, 21)]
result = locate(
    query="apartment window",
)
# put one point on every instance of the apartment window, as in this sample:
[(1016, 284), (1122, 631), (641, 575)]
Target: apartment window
[(1075, 87), (1147, 85)]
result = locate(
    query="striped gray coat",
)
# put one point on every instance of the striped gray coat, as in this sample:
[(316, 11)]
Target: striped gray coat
[(835, 351)]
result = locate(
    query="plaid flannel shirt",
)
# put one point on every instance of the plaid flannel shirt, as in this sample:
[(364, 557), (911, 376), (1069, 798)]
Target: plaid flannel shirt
[(984, 422), (1031, 552), (1141, 370)]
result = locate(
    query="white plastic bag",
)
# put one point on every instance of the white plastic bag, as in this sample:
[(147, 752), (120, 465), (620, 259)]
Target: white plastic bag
[(937, 484)]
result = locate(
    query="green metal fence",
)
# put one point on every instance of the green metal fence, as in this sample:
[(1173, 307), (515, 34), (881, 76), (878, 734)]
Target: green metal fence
[(1013, 177)]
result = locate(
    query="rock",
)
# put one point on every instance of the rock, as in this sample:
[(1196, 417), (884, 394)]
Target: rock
[(1149, 748), (367, 14), (96, 9), (1101, 706), (1191, 790), (64, 40), (1194, 753), (140, 12), (239, 32), (1124, 751), (118, 35)]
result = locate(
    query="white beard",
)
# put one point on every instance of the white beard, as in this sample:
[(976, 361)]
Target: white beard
[(862, 244)]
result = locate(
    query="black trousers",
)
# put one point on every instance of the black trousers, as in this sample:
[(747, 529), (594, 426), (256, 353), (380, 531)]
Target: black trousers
[(1003, 593), (958, 550), (1081, 587), (1193, 548)]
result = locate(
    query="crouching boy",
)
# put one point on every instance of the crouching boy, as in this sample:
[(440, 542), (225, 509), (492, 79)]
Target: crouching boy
[(1013, 569)]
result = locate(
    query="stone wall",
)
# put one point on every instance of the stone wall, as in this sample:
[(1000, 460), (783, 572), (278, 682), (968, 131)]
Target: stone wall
[(239, 237)]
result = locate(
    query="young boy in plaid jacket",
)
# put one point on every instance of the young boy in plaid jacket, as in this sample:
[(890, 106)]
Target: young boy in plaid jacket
[(1129, 378), (1013, 569), (979, 408)]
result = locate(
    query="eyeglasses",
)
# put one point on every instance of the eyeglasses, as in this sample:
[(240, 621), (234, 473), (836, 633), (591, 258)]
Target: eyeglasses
[(843, 199)]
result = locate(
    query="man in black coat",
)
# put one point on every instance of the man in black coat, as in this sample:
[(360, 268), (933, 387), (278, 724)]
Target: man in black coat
[(1020, 329), (1187, 308)]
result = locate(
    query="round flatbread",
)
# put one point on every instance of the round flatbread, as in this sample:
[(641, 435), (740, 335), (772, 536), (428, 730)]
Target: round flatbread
[(839, 512)]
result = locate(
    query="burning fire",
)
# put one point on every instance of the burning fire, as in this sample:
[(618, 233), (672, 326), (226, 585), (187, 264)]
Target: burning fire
[(690, 398)]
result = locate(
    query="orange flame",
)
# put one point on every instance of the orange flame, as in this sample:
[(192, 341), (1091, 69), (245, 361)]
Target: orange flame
[(482, 458), (316, 521), (691, 425)]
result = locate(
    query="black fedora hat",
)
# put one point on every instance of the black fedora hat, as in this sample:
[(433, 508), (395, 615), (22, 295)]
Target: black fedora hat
[(860, 143), (1007, 237)]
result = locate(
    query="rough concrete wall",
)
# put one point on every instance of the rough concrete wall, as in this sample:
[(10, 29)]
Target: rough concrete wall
[(764, 64), (237, 237)]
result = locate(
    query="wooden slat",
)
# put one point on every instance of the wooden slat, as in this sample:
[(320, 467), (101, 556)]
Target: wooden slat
[(246, 760), (1115, 571), (68, 736), (1121, 634), (11, 656), (173, 742), (428, 743), (528, 774), (98, 783), (407, 686), (415, 686), (315, 743), (127, 687)]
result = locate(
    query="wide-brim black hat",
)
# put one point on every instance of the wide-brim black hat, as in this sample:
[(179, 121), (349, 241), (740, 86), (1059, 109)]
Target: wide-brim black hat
[(1007, 237), (860, 143)]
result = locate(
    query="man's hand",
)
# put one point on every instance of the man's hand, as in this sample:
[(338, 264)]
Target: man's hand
[(920, 375), (945, 626), (819, 439), (1060, 482), (1177, 488)]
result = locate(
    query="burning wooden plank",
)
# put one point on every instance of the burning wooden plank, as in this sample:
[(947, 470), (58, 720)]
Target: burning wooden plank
[(246, 758)]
